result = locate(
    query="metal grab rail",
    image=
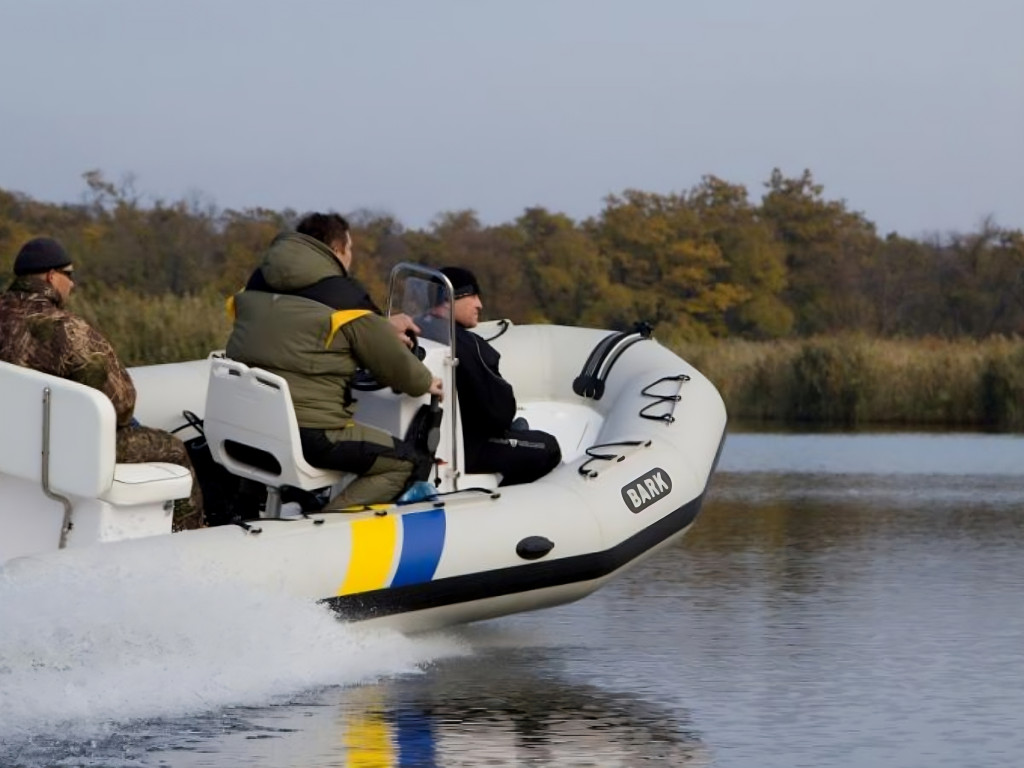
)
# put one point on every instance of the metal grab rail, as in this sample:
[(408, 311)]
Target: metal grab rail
[(66, 523)]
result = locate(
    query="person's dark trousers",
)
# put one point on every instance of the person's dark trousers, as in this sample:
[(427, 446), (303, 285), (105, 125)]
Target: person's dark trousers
[(383, 463), (521, 456)]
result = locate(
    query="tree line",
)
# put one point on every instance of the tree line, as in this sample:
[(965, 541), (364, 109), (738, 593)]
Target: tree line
[(701, 264)]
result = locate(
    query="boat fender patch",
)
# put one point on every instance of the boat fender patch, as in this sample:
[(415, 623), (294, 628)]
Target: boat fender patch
[(646, 489), (534, 547)]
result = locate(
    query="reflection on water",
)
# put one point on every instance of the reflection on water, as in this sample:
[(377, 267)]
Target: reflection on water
[(505, 707), (509, 707)]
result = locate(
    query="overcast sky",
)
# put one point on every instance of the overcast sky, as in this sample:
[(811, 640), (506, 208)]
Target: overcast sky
[(910, 110)]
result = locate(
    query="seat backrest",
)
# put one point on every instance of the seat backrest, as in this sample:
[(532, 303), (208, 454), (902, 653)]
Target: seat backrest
[(82, 431), (251, 428), (165, 390)]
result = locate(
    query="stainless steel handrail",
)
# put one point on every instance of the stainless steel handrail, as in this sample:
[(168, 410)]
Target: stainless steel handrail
[(66, 524)]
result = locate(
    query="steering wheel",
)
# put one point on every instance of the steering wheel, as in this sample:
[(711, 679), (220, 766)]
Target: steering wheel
[(364, 381), (417, 350)]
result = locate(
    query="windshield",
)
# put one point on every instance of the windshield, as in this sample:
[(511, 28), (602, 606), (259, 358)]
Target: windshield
[(424, 295)]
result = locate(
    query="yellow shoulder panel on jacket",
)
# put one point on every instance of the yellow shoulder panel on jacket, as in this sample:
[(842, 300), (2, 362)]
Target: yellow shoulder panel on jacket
[(343, 317)]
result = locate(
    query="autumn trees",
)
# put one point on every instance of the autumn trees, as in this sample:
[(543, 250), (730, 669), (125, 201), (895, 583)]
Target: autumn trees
[(707, 262)]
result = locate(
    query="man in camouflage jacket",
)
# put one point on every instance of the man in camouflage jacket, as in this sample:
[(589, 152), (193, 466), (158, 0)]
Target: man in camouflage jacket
[(36, 331)]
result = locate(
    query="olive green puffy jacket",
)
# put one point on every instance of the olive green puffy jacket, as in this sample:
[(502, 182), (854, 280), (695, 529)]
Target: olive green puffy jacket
[(317, 346)]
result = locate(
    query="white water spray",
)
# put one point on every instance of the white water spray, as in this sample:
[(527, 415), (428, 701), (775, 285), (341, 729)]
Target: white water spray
[(83, 649)]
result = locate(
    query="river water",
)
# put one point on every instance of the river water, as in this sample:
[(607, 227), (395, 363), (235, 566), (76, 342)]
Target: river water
[(844, 600)]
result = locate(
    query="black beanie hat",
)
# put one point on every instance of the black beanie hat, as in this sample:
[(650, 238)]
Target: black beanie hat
[(463, 282), (40, 254)]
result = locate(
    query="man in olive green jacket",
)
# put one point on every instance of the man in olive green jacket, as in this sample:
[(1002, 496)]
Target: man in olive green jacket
[(304, 318)]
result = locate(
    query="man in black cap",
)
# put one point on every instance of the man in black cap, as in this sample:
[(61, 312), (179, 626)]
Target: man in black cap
[(37, 332), (494, 439)]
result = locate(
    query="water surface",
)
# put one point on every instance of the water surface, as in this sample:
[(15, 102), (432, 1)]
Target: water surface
[(843, 601)]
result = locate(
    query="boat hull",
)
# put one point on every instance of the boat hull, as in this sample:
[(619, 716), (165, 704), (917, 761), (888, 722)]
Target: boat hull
[(637, 462)]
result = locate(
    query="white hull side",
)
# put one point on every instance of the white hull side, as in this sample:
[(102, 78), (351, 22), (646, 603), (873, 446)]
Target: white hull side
[(426, 566)]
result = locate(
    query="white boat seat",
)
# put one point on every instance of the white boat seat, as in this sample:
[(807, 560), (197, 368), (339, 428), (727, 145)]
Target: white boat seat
[(82, 443), (251, 428), (145, 483), (107, 500)]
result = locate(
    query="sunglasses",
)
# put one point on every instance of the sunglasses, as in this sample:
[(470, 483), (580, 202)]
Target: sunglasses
[(70, 273)]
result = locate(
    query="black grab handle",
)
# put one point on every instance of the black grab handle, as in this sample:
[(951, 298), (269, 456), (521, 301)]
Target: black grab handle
[(590, 382)]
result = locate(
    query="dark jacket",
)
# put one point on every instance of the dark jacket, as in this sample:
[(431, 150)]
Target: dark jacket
[(37, 332), (486, 401), (302, 317)]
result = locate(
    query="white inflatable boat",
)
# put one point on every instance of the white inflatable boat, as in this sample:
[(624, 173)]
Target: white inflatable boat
[(640, 431)]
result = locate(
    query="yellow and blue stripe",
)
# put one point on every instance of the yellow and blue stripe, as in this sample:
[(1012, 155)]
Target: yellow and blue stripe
[(374, 739), (394, 551)]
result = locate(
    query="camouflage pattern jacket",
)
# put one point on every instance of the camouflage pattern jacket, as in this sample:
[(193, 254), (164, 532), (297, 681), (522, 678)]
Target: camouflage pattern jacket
[(37, 332)]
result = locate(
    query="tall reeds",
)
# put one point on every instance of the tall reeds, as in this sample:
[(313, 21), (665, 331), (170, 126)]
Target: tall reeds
[(851, 381), (837, 381), (156, 329)]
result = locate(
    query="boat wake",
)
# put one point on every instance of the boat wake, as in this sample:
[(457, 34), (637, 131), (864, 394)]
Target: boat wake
[(84, 651)]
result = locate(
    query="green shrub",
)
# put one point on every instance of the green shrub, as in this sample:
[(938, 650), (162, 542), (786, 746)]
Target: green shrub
[(828, 384)]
